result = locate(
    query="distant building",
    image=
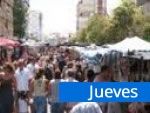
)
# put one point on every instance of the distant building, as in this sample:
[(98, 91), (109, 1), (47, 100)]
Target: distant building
[(55, 39), (145, 4), (34, 25), (101, 7), (6, 18), (140, 2), (85, 9), (146, 7)]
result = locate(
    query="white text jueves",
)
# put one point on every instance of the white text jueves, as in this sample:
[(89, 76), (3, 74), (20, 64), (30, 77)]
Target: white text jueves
[(112, 93)]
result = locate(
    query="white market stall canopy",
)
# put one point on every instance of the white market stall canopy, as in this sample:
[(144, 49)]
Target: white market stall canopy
[(33, 43), (91, 50), (131, 44)]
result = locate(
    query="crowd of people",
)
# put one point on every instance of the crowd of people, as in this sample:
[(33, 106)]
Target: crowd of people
[(33, 82)]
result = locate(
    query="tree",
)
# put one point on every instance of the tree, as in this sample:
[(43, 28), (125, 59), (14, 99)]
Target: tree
[(19, 14), (82, 36), (147, 31), (138, 22), (146, 28), (128, 20), (96, 30), (123, 19)]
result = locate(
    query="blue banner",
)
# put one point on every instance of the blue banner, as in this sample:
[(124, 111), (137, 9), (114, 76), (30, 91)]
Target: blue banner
[(104, 92)]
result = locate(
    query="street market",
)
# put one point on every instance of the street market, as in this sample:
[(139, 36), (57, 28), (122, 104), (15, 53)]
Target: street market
[(124, 63)]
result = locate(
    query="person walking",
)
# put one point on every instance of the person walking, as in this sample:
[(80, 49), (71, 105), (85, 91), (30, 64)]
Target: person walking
[(104, 75), (48, 70), (39, 88), (22, 77), (70, 78), (90, 76), (79, 73), (6, 89), (56, 106)]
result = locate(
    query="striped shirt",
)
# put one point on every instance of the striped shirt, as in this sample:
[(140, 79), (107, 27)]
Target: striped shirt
[(54, 97)]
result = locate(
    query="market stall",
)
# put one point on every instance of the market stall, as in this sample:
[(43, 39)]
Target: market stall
[(139, 66), (131, 44), (7, 47)]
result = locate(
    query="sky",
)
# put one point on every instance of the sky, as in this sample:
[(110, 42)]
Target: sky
[(111, 5), (60, 15)]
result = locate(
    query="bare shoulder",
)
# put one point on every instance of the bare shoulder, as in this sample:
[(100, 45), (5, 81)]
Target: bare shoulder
[(99, 78)]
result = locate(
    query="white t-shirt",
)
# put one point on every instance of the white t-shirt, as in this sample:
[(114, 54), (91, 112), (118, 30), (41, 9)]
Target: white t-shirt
[(31, 69), (22, 79), (86, 107)]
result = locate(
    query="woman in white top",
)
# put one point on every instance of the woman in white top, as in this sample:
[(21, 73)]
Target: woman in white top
[(56, 106)]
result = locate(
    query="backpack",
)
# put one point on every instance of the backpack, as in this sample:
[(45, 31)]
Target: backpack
[(48, 73)]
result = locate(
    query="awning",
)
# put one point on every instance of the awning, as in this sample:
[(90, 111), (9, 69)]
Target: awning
[(131, 44), (8, 42)]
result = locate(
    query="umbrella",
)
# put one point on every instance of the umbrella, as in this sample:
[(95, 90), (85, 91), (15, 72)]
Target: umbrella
[(8, 42)]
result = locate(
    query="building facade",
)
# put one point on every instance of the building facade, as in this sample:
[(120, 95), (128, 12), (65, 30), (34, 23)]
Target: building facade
[(85, 9), (140, 2), (6, 18), (145, 4), (34, 25), (101, 7)]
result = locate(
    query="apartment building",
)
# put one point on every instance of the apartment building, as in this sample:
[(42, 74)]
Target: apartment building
[(6, 18)]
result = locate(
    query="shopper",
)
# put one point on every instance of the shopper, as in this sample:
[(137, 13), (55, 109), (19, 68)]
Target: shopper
[(39, 88)]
